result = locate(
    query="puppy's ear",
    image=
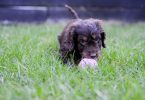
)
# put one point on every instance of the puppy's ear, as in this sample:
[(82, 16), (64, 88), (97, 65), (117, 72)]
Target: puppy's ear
[(68, 39), (66, 43), (103, 37), (99, 24)]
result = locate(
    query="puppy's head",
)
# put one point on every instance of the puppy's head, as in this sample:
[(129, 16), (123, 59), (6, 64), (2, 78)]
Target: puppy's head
[(89, 38)]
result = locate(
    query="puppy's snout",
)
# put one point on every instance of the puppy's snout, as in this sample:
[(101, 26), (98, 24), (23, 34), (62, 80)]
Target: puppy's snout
[(91, 55)]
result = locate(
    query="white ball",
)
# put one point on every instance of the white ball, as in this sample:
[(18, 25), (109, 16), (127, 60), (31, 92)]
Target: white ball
[(84, 63)]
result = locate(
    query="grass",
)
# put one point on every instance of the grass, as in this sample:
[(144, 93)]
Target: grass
[(31, 69)]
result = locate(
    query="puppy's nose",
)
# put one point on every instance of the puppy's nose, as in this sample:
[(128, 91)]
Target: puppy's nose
[(93, 55)]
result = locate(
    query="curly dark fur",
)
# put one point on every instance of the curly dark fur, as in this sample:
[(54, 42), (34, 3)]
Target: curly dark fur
[(81, 39)]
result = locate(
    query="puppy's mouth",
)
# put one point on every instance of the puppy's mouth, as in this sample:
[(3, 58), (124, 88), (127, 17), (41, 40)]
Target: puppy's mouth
[(90, 56)]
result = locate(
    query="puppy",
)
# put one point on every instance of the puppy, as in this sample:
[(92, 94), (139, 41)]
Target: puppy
[(81, 39)]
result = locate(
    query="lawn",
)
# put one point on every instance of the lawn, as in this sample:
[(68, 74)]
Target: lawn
[(30, 68)]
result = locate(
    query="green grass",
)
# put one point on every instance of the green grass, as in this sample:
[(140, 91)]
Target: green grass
[(30, 65)]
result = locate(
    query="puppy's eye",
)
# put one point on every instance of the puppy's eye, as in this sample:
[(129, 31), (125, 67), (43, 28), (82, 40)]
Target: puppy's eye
[(83, 42)]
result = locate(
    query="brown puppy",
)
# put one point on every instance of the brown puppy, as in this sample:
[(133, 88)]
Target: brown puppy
[(81, 39)]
